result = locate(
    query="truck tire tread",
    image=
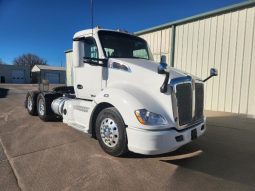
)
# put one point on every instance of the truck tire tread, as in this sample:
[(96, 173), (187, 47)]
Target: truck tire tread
[(121, 148), (48, 114), (33, 95)]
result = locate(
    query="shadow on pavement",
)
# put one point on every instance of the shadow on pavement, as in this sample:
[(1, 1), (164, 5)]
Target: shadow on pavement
[(228, 151), (3, 92)]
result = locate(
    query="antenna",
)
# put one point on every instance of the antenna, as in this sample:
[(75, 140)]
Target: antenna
[(92, 14)]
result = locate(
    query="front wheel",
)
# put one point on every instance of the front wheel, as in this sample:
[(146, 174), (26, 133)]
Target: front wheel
[(111, 132)]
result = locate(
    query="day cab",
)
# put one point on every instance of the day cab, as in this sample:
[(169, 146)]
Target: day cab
[(124, 99)]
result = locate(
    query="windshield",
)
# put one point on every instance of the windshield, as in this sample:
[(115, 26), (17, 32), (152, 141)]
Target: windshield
[(120, 45)]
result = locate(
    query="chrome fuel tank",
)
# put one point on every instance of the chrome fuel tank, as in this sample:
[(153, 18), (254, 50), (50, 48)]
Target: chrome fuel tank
[(58, 104)]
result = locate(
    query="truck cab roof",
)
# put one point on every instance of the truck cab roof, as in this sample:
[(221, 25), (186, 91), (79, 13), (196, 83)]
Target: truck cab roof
[(95, 30)]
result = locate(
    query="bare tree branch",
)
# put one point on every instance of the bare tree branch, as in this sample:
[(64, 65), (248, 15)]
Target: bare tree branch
[(29, 60)]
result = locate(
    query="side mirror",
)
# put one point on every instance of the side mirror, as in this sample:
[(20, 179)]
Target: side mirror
[(162, 65), (213, 72), (78, 52)]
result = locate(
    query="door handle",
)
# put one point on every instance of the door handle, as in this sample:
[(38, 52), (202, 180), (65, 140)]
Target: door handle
[(79, 86)]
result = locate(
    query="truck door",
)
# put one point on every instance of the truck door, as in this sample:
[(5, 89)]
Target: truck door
[(88, 78)]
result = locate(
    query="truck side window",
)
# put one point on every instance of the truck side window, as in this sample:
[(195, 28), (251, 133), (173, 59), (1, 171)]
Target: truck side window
[(90, 48), (141, 53)]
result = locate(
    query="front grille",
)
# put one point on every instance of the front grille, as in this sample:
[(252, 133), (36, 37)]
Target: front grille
[(188, 102), (184, 103), (199, 101)]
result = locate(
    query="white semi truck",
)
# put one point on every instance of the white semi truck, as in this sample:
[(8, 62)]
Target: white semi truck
[(123, 98)]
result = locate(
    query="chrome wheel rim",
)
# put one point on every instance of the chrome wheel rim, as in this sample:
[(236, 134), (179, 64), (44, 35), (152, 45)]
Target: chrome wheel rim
[(41, 107), (29, 103), (109, 132)]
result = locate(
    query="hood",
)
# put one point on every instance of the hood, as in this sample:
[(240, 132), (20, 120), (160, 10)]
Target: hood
[(142, 67), (140, 80)]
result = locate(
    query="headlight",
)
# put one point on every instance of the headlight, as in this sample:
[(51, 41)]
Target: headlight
[(146, 117)]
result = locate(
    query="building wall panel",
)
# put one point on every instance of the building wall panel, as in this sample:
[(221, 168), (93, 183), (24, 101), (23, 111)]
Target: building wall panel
[(246, 64), (189, 47), (201, 50), (184, 45), (211, 62), (159, 43), (194, 48), (177, 56), (206, 45), (251, 95), (218, 56), (231, 61), (239, 61), (224, 62)]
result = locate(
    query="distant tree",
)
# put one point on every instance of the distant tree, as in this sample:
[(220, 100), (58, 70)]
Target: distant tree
[(29, 60)]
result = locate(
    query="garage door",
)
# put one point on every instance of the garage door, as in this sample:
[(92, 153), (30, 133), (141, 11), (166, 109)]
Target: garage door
[(18, 76), (53, 78)]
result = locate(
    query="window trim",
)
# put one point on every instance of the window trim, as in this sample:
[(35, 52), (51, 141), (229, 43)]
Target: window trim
[(91, 37), (150, 57)]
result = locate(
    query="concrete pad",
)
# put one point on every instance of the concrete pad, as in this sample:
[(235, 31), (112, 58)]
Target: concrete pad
[(227, 154), (8, 181), (22, 133), (2, 154), (230, 120), (38, 136), (84, 166), (12, 113)]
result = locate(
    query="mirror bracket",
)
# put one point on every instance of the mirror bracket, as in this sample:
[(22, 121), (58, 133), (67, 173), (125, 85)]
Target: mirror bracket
[(213, 72)]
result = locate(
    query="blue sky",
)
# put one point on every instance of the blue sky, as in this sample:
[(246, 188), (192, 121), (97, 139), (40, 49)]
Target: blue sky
[(46, 27)]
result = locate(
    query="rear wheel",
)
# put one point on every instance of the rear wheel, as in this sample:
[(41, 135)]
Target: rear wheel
[(31, 103), (44, 108), (111, 132)]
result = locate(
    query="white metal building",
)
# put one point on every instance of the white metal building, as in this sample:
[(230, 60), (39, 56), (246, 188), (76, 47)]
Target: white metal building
[(55, 75), (14, 74), (224, 39)]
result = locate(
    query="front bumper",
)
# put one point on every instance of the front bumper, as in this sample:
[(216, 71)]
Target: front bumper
[(159, 142)]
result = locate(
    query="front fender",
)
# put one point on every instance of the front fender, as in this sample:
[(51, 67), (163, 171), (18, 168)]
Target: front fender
[(126, 103), (123, 101)]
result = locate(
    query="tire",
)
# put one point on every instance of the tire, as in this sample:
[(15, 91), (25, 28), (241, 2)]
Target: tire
[(44, 108), (111, 132), (30, 103)]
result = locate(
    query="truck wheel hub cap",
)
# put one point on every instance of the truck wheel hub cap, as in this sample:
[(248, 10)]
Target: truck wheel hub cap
[(109, 132), (41, 107), (29, 103)]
